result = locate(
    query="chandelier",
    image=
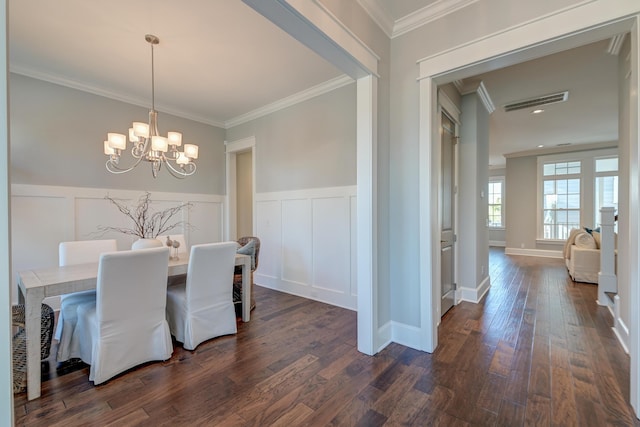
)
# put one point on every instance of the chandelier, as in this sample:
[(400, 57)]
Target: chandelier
[(148, 145)]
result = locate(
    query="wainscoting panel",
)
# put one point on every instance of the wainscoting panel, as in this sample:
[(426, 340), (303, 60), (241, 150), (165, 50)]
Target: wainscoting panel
[(308, 243), (331, 244), (268, 229), (44, 216), (296, 242)]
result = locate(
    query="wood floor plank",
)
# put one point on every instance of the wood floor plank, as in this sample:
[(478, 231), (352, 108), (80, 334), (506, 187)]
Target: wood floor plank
[(536, 350)]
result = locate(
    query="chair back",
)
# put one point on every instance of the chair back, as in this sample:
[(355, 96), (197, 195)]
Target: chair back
[(182, 249), (210, 274), (131, 289), (242, 241), (84, 251)]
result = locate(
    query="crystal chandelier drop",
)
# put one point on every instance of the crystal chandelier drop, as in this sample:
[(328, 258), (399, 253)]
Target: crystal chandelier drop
[(148, 145)]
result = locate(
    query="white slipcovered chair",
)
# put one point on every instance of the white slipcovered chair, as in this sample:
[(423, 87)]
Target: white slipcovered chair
[(72, 253), (125, 325), (202, 308)]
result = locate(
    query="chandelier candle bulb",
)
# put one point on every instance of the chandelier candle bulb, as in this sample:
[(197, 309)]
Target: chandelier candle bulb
[(132, 136), (159, 143), (117, 140), (191, 151), (108, 150), (175, 138), (140, 130)]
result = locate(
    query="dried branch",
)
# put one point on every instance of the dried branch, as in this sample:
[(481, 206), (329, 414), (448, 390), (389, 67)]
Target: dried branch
[(146, 223)]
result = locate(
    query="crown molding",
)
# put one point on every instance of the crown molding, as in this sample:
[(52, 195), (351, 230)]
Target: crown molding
[(563, 149), (477, 86), (615, 44), (427, 14), (84, 87), (304, 95), (379, 15)]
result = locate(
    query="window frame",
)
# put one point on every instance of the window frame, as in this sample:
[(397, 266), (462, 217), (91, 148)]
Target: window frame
[(587, 176), (501, 180)]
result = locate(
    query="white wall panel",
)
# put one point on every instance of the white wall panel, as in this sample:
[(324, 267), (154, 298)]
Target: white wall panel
[(307, 243), (44, 216), (206, 223), (331, 248), (268, 229), (296, 241)]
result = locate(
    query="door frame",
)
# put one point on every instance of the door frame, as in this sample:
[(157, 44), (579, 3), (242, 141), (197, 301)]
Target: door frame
[(233, 148), (449, 108), (567, 29)]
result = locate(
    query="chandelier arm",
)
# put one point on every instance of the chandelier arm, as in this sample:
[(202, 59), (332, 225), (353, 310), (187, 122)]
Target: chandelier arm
[(113, 168), (180, 173)]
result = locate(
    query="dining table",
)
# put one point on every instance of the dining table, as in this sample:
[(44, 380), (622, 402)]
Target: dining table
[(36, 285)]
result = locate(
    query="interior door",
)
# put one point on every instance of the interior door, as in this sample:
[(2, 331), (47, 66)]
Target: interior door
[(447, 212)]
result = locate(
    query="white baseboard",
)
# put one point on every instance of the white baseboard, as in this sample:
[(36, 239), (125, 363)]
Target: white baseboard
[(543, 253), (473, 295), (399, 333), (497, 243), (619, 328)]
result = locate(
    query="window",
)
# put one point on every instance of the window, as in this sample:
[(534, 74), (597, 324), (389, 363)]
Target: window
[(572, 189), (496, 202), (606, 194), (561, 199)]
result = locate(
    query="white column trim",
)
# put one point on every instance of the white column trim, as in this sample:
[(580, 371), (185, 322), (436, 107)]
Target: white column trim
[(367, 285)]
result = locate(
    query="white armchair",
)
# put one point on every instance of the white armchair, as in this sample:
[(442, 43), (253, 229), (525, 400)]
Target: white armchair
[(72, 253), (125, 325), (202, 308)]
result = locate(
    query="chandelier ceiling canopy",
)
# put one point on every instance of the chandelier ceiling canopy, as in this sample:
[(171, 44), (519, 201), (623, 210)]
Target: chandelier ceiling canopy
[(149, 145)]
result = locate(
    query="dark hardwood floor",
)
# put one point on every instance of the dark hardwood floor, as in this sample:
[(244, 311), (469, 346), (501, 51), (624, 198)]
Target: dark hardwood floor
[(536, 351)]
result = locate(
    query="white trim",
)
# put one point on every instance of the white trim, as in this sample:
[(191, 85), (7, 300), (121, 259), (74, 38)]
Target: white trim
[(478, 87), (429, 234), (497, 243), (6, 393), (231, 150), (448, 106), (406, 335), (140, 102), (379, 15), (473, 295), (615, 44), (289, 101), (435, 10), (366, 206), (542, 253), (564, 149), (619, 328), (503, 213)]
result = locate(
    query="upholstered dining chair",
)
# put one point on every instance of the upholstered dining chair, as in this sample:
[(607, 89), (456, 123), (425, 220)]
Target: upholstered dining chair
[(72, 253), (248, 245), (125, 325), (202, 307)]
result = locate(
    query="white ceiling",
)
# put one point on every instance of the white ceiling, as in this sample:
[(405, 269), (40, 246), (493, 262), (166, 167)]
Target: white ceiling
[(218, 60)]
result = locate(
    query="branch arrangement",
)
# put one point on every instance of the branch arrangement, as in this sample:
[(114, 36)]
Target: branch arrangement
[(146, 223)]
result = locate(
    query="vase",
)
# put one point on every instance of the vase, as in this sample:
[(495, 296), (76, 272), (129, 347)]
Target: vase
[(146, 244)]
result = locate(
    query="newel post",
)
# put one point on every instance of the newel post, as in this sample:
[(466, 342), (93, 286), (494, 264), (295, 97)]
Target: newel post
[(607, 280)]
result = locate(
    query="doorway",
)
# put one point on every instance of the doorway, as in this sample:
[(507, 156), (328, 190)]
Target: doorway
[(240, 165), (447, 212)]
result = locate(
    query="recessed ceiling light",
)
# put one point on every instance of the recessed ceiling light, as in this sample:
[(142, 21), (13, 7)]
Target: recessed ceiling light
[(538, 111), (540, 146)]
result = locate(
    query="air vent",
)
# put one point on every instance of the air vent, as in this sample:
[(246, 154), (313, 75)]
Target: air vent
[(553, 98)]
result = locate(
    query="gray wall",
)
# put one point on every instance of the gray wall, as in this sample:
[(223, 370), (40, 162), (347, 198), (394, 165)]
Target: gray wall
[(473, 237), (521, 202), (308, 145), (244, 194), (57, 136)]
